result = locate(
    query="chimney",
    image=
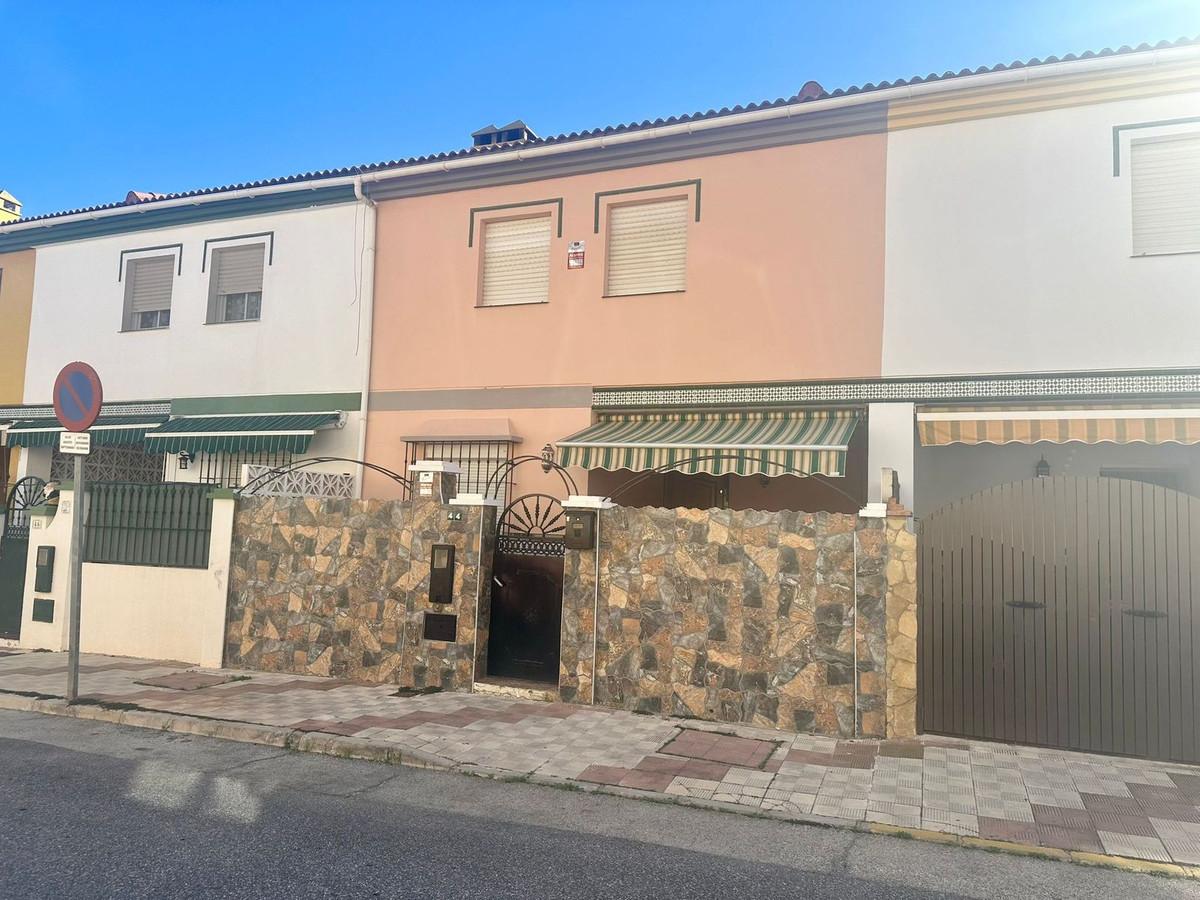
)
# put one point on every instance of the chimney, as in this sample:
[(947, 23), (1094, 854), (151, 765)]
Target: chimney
[(513, 133)]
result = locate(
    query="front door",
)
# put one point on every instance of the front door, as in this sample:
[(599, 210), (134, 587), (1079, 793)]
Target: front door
[(527, 582), (14, 547)]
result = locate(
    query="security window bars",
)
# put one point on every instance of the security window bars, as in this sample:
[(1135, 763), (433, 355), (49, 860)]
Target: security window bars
[(235, 284), (478, 461), (516, 262), (148, 283), (1165, 177), (647, 248), (225, 469)]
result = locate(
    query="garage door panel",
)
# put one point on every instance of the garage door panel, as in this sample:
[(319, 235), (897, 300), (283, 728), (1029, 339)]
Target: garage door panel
[(1061, 612)]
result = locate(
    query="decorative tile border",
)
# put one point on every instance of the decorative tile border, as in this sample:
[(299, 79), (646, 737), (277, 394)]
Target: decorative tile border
[(1039, 386)]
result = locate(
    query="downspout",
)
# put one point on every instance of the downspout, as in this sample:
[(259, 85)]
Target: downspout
[(366, 312)]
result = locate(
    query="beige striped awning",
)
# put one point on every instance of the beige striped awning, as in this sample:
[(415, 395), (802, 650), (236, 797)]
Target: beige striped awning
[(797, 442), (938, 426)]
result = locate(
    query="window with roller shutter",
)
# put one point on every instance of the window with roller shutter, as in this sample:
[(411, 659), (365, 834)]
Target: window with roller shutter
[(235, 284), (647, 248), (1165, 177), (516, 262), (148, 283)]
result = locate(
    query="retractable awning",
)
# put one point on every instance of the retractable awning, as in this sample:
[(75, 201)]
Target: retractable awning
[(1058, 424), (808, 442), (108, 431), (250, 433)]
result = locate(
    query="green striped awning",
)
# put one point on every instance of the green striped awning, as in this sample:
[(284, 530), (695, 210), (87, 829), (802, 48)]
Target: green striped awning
[(806, 442), (108, 431), (256, 433)]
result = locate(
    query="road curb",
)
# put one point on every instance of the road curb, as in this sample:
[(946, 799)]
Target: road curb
[(364, 749)]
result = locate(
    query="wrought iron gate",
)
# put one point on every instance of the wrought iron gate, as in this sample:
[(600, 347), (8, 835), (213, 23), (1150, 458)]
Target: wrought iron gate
[(527, 584), (1064, 612), (14, 548)]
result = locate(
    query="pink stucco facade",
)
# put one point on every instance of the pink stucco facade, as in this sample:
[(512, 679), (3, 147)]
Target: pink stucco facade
[(784, 282)]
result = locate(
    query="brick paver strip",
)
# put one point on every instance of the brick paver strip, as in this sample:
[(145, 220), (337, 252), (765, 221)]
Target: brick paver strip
[(1119, 823), (603, 774), (1189, 785), (1007, 830), (1153, 793), (1061, 817), (186, 681), (647, 781), (1103, 803), (1069, 838)]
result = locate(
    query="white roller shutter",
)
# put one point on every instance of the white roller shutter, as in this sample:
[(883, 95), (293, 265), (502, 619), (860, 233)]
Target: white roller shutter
[(516, 262), (238, 269), (647, 247), (148, 286), (1166, 194)]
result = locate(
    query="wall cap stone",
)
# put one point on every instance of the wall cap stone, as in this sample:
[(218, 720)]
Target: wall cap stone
[(475, 500), (585, 501), (874, 511), (435, 465)]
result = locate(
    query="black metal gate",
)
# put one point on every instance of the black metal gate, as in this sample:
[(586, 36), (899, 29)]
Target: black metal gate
[(527, 583), (14, 548), (1064, 612)]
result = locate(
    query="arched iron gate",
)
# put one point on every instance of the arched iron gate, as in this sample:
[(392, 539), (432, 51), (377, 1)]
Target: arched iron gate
[(527, 582), (14, 548)]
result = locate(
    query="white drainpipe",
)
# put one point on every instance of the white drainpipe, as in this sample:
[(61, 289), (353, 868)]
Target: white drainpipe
[(366, 316)]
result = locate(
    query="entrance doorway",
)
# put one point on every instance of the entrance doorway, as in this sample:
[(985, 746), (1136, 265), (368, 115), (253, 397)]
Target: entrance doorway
[(14, 548), (527, 584)]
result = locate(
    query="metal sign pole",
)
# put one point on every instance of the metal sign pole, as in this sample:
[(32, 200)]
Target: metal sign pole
[(77, 513)]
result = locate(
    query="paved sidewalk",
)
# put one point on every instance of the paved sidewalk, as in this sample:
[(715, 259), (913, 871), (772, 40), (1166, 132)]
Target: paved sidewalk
[(1045, 798)]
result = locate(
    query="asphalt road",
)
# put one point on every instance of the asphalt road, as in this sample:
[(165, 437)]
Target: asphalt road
[(95, 810)]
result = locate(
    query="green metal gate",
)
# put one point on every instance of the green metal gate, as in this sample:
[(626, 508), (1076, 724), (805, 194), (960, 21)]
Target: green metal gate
[(14, 548)]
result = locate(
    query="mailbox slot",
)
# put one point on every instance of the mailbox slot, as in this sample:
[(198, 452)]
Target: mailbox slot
[(43, 579), (581, 529), (441, 574)]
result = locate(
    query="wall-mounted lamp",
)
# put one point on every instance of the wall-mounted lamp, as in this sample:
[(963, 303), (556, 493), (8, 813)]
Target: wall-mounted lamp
[(1042, 469), (184, 459), (547, 458)]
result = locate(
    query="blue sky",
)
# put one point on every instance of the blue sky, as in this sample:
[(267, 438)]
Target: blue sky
[(101, 98)]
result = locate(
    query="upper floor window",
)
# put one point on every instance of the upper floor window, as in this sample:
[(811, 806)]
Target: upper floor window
[(1165, 174), (516, 262), (235, 284), (10, 206), (148, 283), (647, 247)]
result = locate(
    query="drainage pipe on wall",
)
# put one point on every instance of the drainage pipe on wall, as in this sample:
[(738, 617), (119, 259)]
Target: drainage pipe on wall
[(365, 297)]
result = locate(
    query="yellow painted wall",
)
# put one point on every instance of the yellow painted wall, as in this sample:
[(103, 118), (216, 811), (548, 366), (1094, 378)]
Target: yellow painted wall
[(16, 302)]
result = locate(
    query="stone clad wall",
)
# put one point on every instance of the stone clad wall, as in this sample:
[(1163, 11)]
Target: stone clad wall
[(341, 587), (736, 616)]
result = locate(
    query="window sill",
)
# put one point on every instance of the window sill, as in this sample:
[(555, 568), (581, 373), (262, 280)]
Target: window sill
[(647, 294), (1164, 253), (508, 305), (236, 322), (141, 330)]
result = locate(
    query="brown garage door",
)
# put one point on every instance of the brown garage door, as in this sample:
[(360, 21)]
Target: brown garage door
[(1063, 612)]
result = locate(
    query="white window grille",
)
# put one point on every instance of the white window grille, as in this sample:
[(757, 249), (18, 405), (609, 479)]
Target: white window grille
[(1165, 177), (111, 463), (647, 247), (516, 262)]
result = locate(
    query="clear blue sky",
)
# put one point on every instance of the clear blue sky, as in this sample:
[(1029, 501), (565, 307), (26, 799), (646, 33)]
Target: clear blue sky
[(99, 97)]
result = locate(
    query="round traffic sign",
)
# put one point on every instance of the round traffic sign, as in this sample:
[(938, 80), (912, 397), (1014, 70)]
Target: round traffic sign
[(78, 396)]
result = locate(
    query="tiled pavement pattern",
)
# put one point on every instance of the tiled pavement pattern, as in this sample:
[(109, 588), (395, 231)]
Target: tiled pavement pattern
[(1069, 801)]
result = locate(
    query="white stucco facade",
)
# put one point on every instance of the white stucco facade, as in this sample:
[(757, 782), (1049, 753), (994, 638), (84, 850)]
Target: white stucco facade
[(311, 337), (1009, 247)]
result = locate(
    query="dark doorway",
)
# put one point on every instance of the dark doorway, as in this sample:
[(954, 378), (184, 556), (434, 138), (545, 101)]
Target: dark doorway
[(527, 582), (14, 548)]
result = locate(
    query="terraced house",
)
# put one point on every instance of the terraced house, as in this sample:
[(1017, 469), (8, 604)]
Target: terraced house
[(969, 295)]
